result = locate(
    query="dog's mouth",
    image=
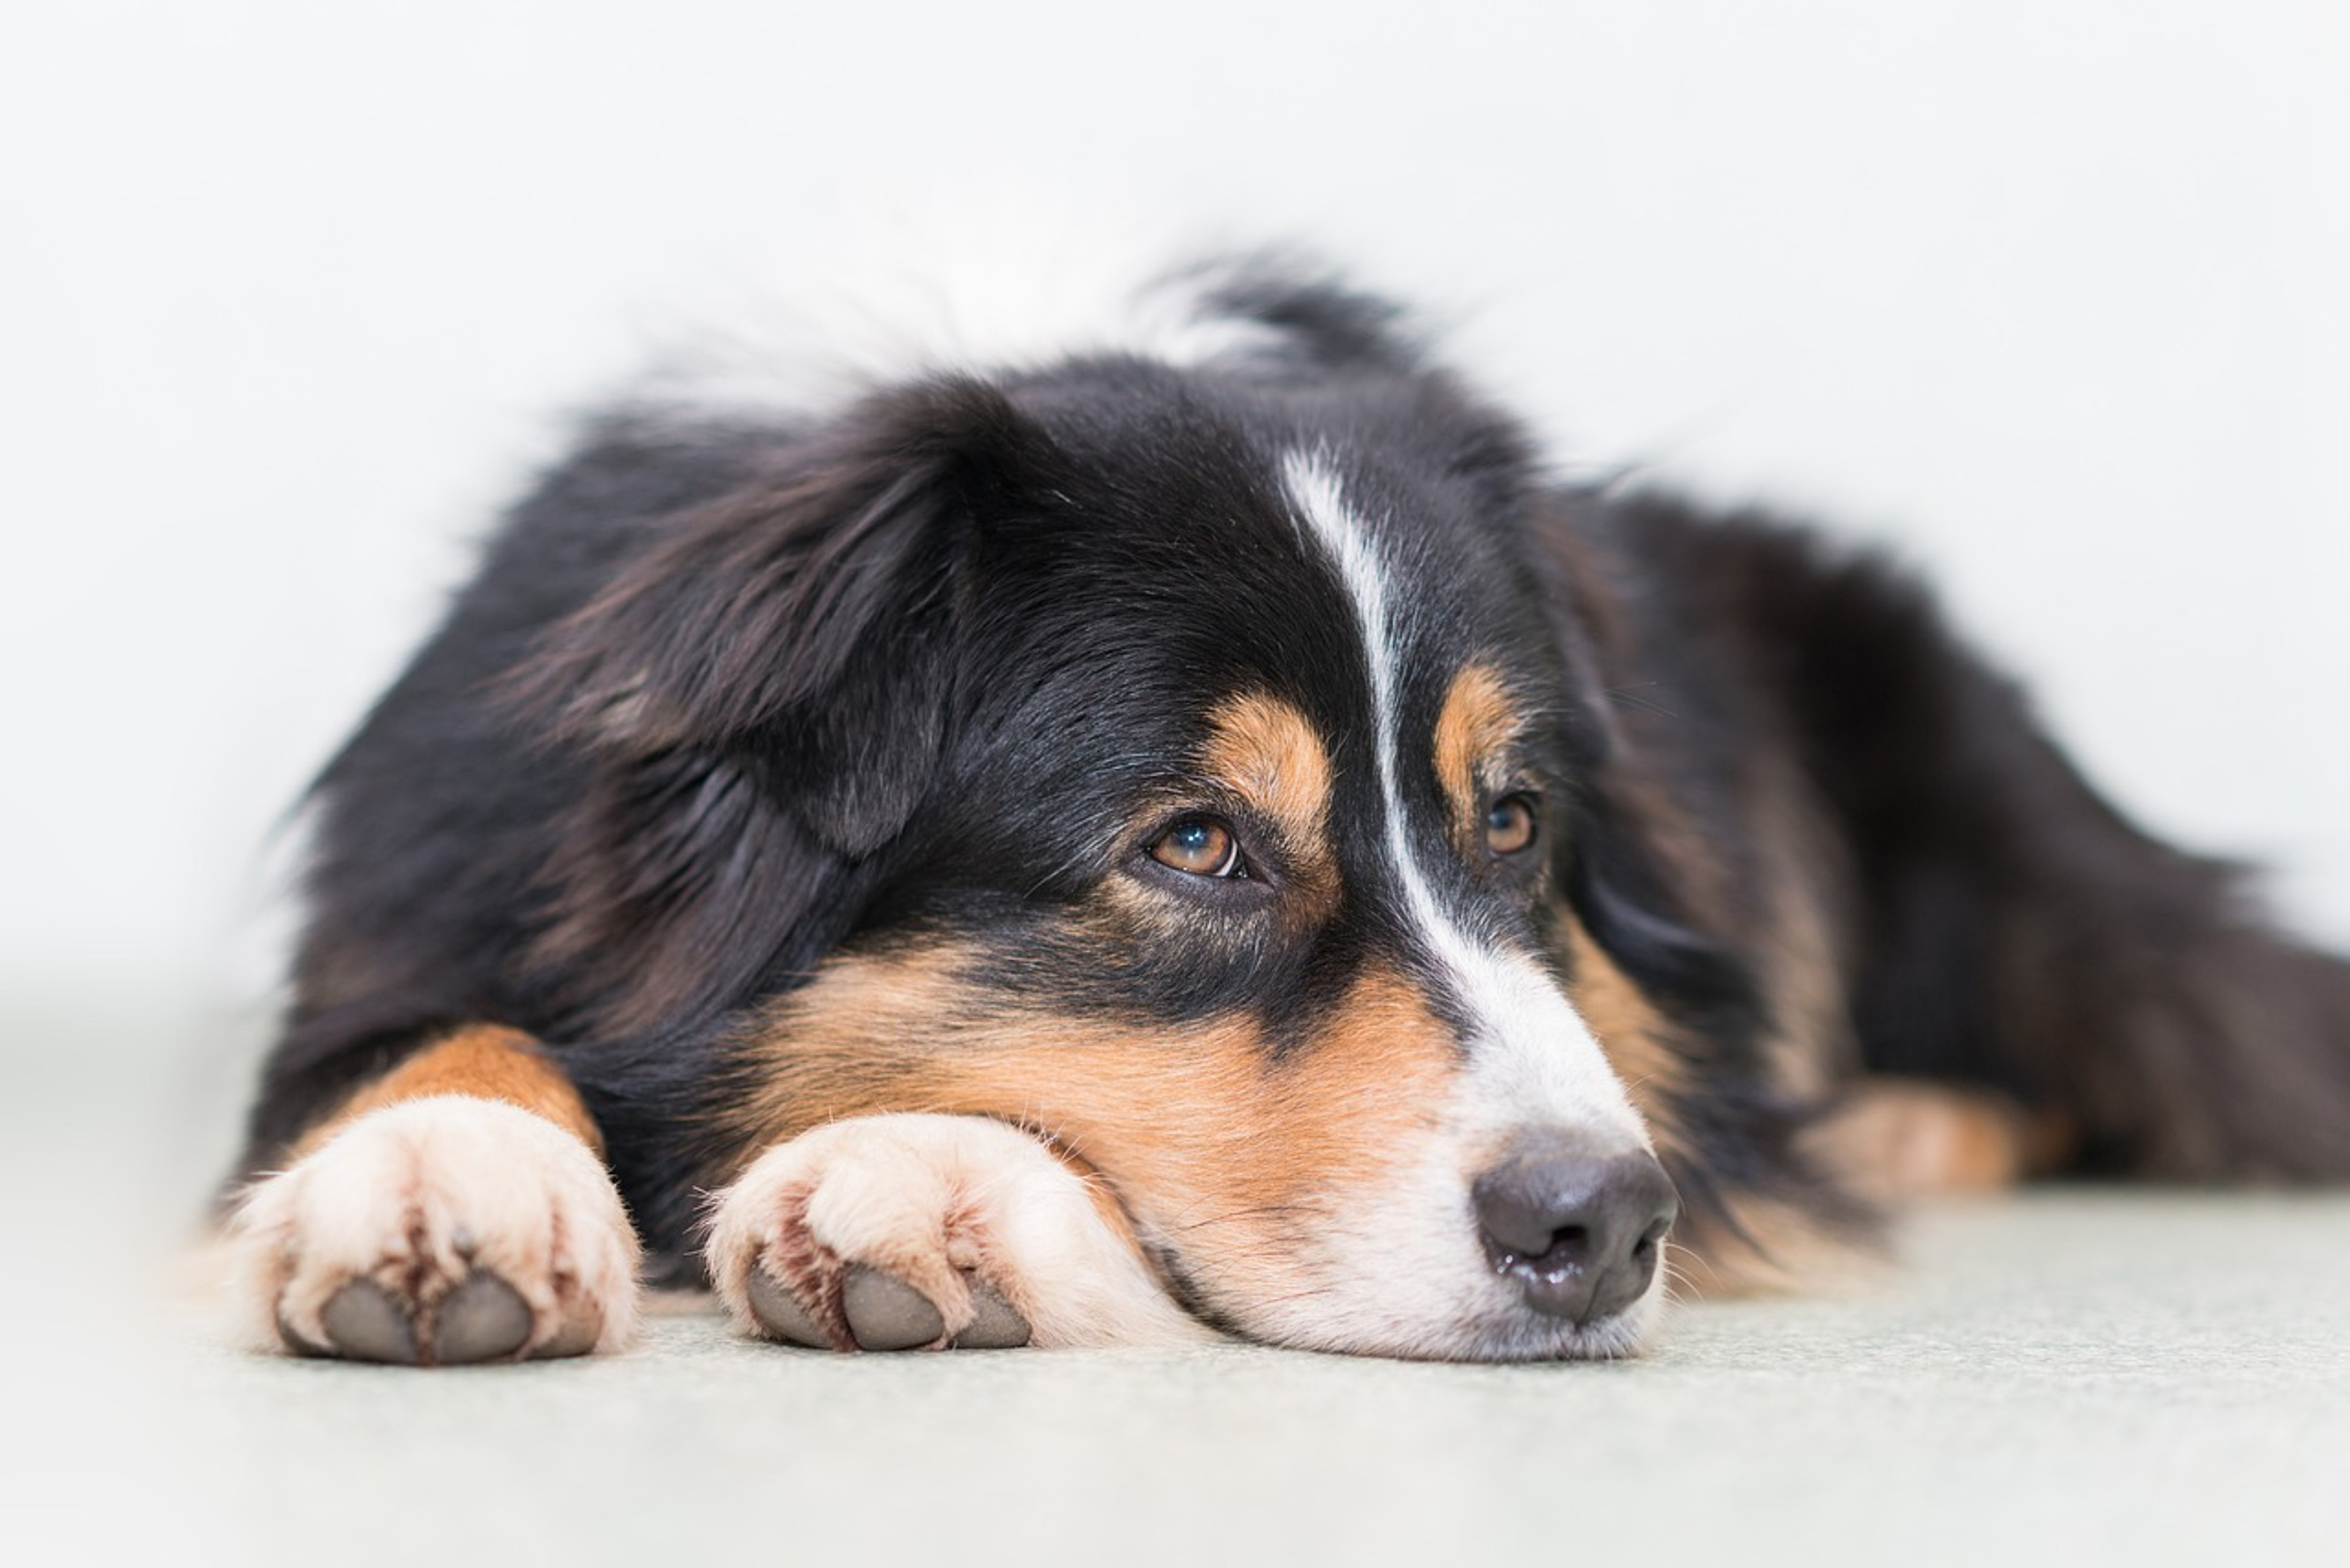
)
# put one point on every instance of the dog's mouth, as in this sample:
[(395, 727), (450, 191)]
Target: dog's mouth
[(1497, 1332), (1176, 1278), (1568, 1262)]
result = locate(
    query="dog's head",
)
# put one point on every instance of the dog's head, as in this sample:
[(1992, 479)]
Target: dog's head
[(1188, 757)]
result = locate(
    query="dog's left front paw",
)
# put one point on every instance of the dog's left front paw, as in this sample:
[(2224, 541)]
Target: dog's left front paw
[(920, 1232)]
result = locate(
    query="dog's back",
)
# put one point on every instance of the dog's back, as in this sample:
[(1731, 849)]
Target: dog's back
[(1998, 923)]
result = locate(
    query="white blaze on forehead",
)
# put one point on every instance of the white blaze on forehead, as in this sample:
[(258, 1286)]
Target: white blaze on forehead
[(1533, 1060)]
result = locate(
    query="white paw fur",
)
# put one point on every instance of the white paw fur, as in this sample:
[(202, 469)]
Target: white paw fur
[(414, 1201), (940, 1204)]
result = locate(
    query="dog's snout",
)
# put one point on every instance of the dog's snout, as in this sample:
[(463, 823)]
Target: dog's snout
[(1578, 1229)]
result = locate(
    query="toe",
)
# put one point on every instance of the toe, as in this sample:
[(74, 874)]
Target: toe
[(482, 1320), (296, 1341), (779, 1311), (993, 1326), (367, 1322), (887, 1314)]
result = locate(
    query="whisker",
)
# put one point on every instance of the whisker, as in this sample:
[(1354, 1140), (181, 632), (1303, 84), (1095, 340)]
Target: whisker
[(1268, 1210), (1626, 697)]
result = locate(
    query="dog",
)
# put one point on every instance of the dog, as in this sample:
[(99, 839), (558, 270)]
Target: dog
[(1197, 833)]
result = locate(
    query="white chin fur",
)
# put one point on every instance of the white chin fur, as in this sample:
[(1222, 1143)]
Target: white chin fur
[(1492, 1326), (1398, 1271)]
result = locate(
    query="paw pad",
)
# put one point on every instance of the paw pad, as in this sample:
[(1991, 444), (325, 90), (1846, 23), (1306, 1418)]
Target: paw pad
[(483, 1319), (881, 1312)]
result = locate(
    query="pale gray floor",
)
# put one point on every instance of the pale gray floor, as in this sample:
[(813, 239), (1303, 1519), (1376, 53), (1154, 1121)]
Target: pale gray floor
[(2078, 1377)]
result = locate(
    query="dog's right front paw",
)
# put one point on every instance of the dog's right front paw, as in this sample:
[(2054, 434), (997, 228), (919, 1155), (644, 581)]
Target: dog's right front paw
[(439, 1231), (919, 1232)]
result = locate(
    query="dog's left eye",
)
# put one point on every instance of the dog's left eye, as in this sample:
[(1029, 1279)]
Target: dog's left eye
[(1509, 825), (1200, 846)]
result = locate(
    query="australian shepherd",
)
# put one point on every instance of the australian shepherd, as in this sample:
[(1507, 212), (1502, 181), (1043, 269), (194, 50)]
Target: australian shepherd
[(1194, 832)]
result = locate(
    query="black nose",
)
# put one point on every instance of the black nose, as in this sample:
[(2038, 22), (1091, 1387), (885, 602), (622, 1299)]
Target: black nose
[(1577, 1229)]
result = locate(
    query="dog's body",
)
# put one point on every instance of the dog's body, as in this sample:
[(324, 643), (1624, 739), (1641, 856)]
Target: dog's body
[(1203, 833)]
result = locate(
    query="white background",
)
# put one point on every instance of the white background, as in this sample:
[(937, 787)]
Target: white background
[(2048, 298)]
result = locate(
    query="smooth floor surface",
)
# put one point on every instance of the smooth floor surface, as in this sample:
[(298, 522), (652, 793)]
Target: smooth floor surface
[(2078, 1377)]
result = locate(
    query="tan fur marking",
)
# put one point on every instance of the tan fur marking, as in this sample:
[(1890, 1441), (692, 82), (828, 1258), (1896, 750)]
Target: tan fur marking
[(1206, 1133), (1632, 1034), (1769, 1246), (1477, 722), (1266, 752), (1901, 1137), (484, 1061), (1773, 1247), (1892, 1141)]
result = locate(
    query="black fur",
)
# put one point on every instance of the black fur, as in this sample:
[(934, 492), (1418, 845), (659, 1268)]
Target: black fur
[(729, 694)]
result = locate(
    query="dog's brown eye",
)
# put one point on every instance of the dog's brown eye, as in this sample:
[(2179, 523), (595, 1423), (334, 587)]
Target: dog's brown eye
[(1200, 846), (1509, 825)]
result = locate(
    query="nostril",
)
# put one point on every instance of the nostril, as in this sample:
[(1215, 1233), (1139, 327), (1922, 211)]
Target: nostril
[(1569, 1246), (1644, 1251)]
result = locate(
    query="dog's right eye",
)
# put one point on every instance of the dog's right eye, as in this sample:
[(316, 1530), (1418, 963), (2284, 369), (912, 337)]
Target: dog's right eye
[(1200, 846)]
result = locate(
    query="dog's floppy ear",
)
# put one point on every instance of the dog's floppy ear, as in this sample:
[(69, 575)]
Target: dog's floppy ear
[(1625, 891), (760, 694), (800, 627), (1620, 889)]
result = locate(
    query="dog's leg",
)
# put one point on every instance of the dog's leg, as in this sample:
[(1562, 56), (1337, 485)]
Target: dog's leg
[(904, 1232), (1896, 1138), (2008, 927), (455, 1210)]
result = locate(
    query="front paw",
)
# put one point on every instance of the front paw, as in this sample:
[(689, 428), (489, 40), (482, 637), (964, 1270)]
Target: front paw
[(899, 1232), (440, 1230)]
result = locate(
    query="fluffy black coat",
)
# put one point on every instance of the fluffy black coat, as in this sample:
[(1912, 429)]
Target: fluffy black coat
[(729, 692)]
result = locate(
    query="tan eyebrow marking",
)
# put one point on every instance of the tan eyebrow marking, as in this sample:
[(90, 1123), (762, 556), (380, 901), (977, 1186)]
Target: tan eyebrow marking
[(1266, 752), (1478, 718)]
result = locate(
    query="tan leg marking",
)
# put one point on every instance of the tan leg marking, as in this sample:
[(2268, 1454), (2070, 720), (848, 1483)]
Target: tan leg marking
[(456, 1210), (485, 1062), (1908, 1137)]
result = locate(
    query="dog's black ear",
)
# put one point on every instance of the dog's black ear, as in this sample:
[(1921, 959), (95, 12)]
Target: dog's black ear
[(1621, 890), (801, 628), (1622, 886)]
